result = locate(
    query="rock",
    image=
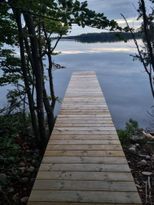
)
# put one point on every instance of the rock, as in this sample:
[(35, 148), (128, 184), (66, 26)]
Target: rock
[(34, 161), (3, 178), (142, 155), (29, 160), (31, 169), (22, 164), (132, 149), (148, 157), (142, 163), (25, 179), (22, 169), (138, 186), (15, 197), (11, 190), (25, 189), (148, 136), (24, 199), (137, 145), (136, 137), (147, 173)]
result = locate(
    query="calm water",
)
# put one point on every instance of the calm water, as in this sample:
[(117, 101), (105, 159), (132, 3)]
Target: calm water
[(123, 81)]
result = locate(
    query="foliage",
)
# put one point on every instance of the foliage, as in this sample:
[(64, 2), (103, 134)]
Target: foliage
[(11, 126), (19, 152), (145, 51), (29, 27), (131, 129)]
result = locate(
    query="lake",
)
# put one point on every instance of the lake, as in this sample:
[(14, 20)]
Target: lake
[(123, 81)]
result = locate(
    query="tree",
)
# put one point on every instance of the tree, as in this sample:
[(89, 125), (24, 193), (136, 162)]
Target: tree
[(146, 52), (30, 26)]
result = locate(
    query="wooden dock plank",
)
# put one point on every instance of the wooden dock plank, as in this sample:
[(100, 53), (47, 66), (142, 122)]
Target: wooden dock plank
[(86, 160), (84, 147), (99, 139), (84, 163), (82, 185), (85, 141), (85, 196), (85, 167), (85, 176), (86, 153)]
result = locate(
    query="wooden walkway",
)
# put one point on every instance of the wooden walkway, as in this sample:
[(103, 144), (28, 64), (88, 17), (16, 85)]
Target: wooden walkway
[(84, 163)]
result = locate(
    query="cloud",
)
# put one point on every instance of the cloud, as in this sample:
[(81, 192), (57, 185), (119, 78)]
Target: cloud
[(113, 8), (133, 22)]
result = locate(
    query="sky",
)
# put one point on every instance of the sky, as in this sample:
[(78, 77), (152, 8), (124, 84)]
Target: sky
[(112, 9)]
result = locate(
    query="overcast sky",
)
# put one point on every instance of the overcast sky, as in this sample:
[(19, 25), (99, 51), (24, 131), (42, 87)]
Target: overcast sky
[(112, 9)]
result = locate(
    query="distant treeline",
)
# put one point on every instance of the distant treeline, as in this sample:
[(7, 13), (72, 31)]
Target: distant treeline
[(103, 37)]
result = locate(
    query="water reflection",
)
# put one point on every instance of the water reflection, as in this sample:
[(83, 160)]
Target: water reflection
[(124, 82), (68, 47), (96, 50)]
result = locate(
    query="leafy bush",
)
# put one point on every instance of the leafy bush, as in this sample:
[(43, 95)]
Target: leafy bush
[(131, 129)]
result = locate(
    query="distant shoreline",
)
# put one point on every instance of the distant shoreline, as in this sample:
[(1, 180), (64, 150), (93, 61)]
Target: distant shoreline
[(103, 37)]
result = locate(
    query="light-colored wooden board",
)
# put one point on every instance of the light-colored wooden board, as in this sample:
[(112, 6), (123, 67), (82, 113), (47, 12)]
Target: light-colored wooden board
[(86, 160), (84, 147), (82, 124), (82, 142), (85, 153), (86, 176), (83, 112), (84, 185), (100, 138), (85, 167), (85, 196), (87, 117), (84, 132), (62, 129), (84, 121), (82, 108)]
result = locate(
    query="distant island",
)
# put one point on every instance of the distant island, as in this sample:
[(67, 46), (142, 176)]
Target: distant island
[(103, 37)]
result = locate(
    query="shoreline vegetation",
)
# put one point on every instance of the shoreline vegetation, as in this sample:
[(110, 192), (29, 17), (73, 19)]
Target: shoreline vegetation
[(138, 146), (103, 37)]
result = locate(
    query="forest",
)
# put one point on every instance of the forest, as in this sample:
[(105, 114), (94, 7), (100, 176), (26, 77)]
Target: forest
[(104, 37)]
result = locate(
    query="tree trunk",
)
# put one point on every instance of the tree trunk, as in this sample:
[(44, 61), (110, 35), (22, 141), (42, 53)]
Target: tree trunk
[(38, 74), (146, 32), (52, 93), (49, 111), (49, 51), (25, 75)]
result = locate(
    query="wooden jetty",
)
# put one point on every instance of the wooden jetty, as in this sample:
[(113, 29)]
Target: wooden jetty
[(84, 163)]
